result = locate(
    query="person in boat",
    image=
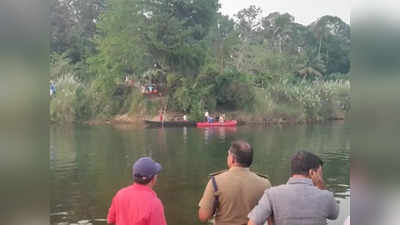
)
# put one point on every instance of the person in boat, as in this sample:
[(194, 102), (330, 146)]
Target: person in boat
[(184, 117), (221, 118), (302, 200), (238, 189), (217, 117), (206, 115), (138, 203)]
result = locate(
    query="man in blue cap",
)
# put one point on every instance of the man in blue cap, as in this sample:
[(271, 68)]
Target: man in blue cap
[(138, 204)]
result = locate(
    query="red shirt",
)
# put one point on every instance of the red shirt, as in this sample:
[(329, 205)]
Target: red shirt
[(136, 205)]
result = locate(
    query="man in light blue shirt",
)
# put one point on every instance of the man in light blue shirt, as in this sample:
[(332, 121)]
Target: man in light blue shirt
[(302, 200)]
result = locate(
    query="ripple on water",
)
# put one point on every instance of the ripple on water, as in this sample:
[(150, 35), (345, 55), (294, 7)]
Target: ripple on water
[(87, 168)]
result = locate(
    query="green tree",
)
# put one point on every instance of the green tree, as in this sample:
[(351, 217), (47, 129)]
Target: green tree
[(312, 67), (333, 38), (223, 39), (248, 23), (175, 31), (120, 49), (278, 27), (73, 25)]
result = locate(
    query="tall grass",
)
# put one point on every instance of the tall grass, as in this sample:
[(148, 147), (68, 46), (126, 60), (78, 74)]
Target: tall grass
[(304, 100), (75, 101), (64, 104)]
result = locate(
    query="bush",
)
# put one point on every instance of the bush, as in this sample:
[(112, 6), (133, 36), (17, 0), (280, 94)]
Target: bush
[(234, 91), (138, 104), (106, 97), (60, 66), (63, 105), (318, 99), (100, 100), (337, 76), (192, 98), (209, 90)]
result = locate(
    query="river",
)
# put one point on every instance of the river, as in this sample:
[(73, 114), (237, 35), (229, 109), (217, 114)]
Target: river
[(88, 164)]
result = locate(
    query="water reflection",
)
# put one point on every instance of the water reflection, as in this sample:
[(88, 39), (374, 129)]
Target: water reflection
[(185, 135), (162, 140), (217, 132), (89, 164)]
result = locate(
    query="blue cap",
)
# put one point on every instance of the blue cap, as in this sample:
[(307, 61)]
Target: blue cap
[(146, 167)]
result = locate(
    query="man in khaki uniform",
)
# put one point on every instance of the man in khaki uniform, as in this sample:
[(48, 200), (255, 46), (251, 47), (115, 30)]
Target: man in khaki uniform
[(239, 189)]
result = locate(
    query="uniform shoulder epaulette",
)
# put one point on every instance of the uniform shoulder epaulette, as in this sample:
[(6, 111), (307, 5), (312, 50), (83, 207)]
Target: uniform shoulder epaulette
[(216, 173), (222, 171), (261, 175)]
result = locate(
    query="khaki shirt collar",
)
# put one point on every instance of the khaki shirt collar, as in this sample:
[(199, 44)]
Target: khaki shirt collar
[(236, 169)]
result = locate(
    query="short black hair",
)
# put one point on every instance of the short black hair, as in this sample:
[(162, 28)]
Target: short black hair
[(141, 179), (243, 152), (304, 161)]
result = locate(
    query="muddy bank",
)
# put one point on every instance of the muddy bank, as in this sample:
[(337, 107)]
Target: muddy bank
[(243, 118)]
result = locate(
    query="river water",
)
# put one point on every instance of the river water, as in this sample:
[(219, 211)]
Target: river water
[(88, 164)]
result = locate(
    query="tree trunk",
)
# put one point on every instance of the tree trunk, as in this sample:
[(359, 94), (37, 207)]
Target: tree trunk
[(222, 58), (327, 57), (222, 65), (319, 48), (239, 58)]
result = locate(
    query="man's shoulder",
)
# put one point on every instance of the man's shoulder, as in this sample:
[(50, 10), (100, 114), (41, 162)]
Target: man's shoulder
[(280, 187), (227, 172), (220, 174), (321, 193), (259, 179), (278, 190), (285, 188), (250, 178), (124, 190), (326, 194), (156, 202)]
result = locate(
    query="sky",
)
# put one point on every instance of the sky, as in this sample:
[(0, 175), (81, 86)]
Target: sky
[(304, 11)]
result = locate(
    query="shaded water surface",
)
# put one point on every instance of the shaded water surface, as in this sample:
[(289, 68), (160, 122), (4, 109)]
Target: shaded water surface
[(89, 164)]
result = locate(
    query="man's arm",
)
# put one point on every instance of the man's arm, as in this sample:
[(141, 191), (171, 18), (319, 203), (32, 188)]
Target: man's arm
[(270, 222), (157, 216), (251, 223), (333, 208), (206, 203), (204, 214), (262, 211)]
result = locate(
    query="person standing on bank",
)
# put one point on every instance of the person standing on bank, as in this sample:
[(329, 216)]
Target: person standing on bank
[(138, 204), (302, 200), (238, 189)]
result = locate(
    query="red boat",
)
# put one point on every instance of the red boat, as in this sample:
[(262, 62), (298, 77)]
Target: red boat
[(228, 123)]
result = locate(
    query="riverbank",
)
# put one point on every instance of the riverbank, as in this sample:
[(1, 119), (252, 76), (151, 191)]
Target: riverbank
[(243, 118), (283, 102)]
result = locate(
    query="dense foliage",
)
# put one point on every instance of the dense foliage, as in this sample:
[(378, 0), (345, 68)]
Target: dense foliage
[(199, 59)]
